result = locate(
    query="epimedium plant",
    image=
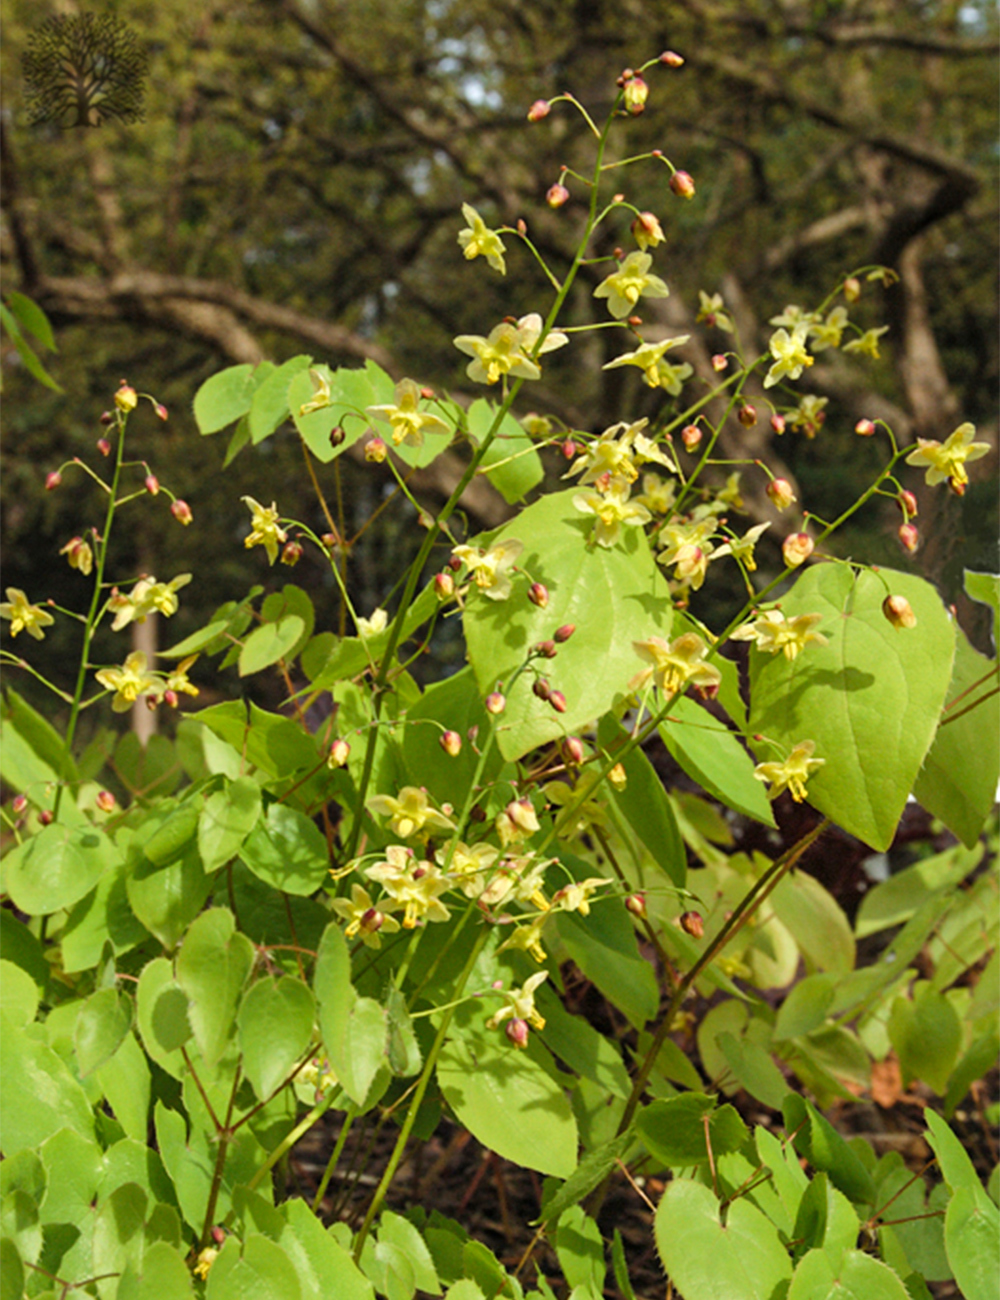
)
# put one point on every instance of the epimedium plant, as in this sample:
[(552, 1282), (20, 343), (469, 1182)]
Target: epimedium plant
[(267, 921)]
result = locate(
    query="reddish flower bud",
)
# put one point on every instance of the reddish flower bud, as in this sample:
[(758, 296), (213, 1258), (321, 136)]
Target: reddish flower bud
[(218, 1234), (152, 484), (568, 449), (517, 1031), (907, 502), (682, 185), (105, 800), (18, 804), (564, 633), (107, 418), (556, 196), (636, 904), (541, 688), (692, 924), (339, 752), (558, 701), (780, 492), (181, 511), (852, 288), (747, 415), (522, 227), (547, 649), (691, 436), (45, 817), (337, 436), (161, 411), (899, 612), (103, 446), (909, 537), (291, 553), (538, 595), (454, 564), (372, 920), (636, 94), (444, 585), (778, 423), (376, 450), (52, 481), (573, 751), (796, 548), (451, 743), (709, 691), (719, 363), (169, 697), (428, 393), (495, 703), (126, 398), (864, 428), (539, 109), (671, 59), (152, 702)]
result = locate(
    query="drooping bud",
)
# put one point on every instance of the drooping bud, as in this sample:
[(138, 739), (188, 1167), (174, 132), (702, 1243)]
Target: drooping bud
[(45, 817), (747, 415), (780, 492), (864, 428), (647, 230), (52, 481), (907, 502), (454, 564), (444, 585), (636, 904), (852, 288), (682, 185), (152, 485), (541, 688), (538, 595), (451, 743), (636, 94), (18, 804), (568, 449), (719, 363), (376, 450), (539, 109), (691, 436), (105, 800), (556, 195), (181, 511), (618, 776), (797, 548), (495, 703), (899, 612), (691, 923), (517, 1031), (778, 423), (106, 418), (126, 399), (672, 59), (564, 633), (291, 553), (547, 649), (339, 753), (428, 393), (558, 701), (337, 436), (573, 752), (909, 537), (522, 227), (103, 446), (170, 698), (152, 703), (161, 411)]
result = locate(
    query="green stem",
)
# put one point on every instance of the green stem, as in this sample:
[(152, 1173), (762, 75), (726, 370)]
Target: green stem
[(349, 1117), (418, 1097)]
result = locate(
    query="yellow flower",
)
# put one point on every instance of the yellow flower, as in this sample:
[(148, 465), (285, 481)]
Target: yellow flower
[(658, 495), (415, 885), (470, 866), (264, 528), (528, 938), (674, 665), (686, 545), (618, 451), (779, 635), (656, 372), (368, 627), (79, 555), (793, 773), (613, 510), (867, 344), (407, 421), (321, 394), (177, 681), (632, 281), (488, 568), (477, 239), (129, 682), (410, 813), (946, 460), (795, 318), (790, 355), (520, 1003), (647, 230), (204, 1262), (364, 917), (826, 334), (576, 897), (712, 310), (741, 548), (24, 617), (809, 414), (507, 350), (517, 822), (589, 814), (146, 596)]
